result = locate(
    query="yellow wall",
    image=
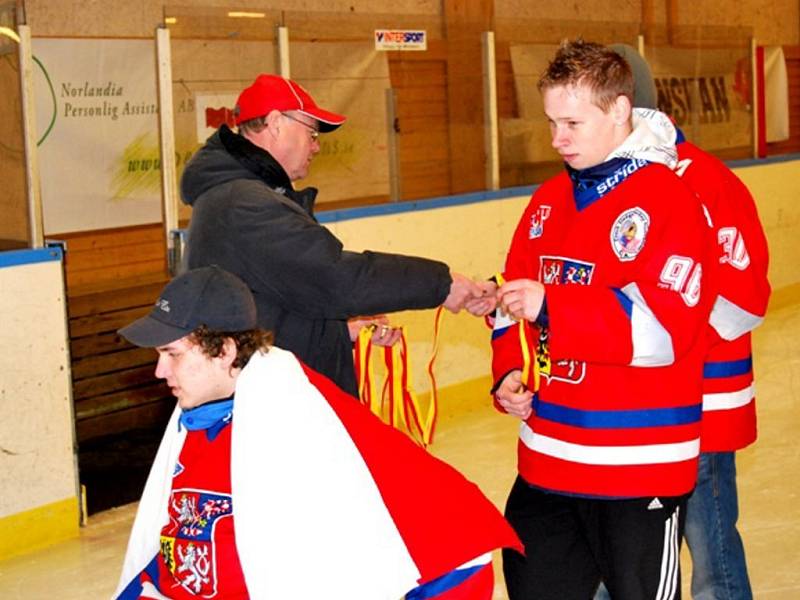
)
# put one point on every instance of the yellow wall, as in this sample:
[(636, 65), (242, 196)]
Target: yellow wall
[(776, 189), (473, 240), (38, 503)]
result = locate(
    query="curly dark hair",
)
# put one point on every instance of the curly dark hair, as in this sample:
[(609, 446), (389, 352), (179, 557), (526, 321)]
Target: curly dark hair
[(602, 70), (247, 343)]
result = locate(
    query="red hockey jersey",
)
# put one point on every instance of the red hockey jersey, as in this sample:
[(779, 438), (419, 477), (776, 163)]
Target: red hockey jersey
[(729, 414), (618, 411), (198, 555)]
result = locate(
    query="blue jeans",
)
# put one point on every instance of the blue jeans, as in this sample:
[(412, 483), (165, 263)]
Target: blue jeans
[(719, 570)]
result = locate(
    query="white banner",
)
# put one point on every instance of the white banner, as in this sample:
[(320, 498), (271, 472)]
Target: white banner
[(96, 114), (707, 92)]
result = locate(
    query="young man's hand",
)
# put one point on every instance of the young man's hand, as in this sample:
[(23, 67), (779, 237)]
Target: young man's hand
[(521, 298), (513, 396)]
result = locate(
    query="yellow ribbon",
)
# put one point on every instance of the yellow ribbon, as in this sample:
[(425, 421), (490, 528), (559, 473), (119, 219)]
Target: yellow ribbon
[(527, 360), (365, 371), (405, 411)]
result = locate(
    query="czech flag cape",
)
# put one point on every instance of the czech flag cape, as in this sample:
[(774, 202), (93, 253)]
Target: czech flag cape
[(329, 502)]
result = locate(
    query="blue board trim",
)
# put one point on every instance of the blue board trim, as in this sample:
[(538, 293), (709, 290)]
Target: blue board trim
[(13, 258), (393, 208)]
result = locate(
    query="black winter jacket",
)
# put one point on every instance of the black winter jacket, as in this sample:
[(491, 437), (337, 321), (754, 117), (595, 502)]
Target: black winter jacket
[(248, 219)]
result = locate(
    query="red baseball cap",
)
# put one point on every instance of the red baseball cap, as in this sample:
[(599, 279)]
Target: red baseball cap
[(272, 92)]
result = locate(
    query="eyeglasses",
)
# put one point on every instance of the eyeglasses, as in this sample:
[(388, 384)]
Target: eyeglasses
[(314, 132)]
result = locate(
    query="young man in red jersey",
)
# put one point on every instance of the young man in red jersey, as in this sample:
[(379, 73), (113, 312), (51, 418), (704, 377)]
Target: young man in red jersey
[(719, 568), (270, 482), (604, 286)]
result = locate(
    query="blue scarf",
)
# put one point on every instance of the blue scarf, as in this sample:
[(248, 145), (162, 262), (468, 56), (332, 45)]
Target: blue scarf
[(589, 185), (211, 416)]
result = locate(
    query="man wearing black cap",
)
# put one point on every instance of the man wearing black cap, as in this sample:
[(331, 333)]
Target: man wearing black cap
[(270, 482), (248, 218)]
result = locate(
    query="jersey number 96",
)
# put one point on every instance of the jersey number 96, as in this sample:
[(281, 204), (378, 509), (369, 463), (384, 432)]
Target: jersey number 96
[(681, 274)]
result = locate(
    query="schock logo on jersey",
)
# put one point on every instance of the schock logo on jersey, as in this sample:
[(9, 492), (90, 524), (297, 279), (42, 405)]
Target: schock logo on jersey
[(629, 232), (187, 543), (568, 371), (556, 270), (537, 221)]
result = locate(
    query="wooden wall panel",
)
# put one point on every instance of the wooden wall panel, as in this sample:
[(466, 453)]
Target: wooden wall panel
[(506, 93), (113, 277), (14, 231), (147, 415), (420, 83), (465, 23), (119, 18), (774, 22), (109, 257)]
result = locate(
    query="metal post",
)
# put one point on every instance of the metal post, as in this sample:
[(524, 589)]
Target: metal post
[(391, 138), (490, 126), (166, 129), (283, 52), (34, 190), (178, 249)]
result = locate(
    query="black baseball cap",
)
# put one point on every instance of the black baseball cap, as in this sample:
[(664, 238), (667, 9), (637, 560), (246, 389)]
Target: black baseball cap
[(206, 296)]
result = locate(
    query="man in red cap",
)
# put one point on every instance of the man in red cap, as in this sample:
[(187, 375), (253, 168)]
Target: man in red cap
[(249, 219)]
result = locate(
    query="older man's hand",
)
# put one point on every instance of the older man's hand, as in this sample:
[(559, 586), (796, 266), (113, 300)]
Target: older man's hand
[(383, 334), (462, 289), (486, 304)]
